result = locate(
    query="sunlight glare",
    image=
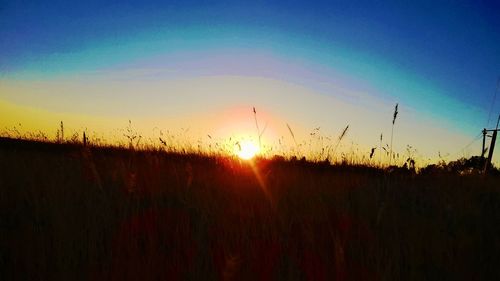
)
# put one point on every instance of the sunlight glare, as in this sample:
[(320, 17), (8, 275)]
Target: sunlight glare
[(246, 150)]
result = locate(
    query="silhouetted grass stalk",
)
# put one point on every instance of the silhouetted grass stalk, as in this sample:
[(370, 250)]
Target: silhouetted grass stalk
[(259, 132), (342, 135), (380, 151), (392, 131), (293, 136)]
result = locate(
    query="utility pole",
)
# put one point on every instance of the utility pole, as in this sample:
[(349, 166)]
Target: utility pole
[(484, 140), (492, 146)]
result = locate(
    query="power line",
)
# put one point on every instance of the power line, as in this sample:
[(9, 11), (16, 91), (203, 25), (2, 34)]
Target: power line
[(473, 141), (476, 138)]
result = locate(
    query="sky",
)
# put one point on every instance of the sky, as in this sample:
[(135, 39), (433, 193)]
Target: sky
[(203, 65)]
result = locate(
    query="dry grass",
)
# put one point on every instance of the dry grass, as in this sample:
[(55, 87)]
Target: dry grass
[(394, 116), (108, 213)]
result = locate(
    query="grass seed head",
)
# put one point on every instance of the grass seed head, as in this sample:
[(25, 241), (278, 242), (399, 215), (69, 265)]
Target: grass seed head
[(395, 114)]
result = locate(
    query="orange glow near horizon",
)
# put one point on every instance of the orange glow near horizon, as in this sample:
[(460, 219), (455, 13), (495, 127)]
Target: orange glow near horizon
[(215, 124)]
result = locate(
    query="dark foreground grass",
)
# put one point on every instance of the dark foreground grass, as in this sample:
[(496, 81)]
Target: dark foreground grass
[(69, 213)]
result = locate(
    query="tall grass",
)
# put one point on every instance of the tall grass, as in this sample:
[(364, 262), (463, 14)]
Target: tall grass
[(113, 213), (341, 136), (259, 132), (395, 115)]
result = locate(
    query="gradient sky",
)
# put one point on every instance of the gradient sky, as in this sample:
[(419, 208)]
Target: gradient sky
[(206, 63)]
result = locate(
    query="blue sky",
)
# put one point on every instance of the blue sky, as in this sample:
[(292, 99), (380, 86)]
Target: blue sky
[(440, 57), (453, 44)]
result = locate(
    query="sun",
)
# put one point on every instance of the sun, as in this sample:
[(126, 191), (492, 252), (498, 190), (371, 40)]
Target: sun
[(246, 150)]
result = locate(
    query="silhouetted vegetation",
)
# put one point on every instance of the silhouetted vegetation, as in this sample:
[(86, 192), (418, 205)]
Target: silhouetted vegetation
[(69, 212)]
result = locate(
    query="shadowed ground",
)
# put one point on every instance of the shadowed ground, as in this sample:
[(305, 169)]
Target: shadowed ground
[(97, 213)]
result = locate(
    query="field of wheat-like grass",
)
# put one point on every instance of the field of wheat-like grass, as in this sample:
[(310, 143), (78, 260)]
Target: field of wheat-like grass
[(69, 212)]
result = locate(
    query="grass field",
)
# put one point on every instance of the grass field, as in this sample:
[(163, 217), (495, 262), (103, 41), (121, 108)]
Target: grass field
[(107, 213)]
